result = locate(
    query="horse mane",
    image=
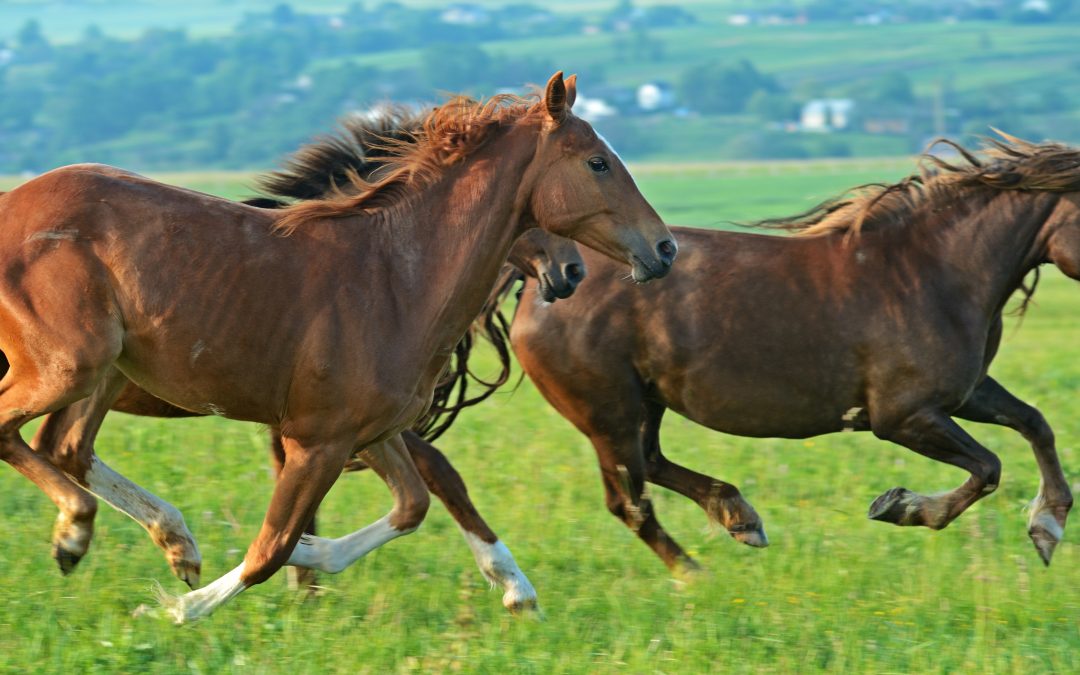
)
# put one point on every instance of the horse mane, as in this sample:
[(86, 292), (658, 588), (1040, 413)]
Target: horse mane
[(1007, 163), (358, 146), (446, 136)]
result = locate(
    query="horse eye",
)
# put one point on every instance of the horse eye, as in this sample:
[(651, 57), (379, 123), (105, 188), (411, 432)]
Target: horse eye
[(598, 164)]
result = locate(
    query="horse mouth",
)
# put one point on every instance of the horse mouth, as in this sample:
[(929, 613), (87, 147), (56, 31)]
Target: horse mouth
[(643, 272)]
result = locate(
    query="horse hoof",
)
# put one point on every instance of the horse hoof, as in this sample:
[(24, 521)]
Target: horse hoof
[(65, 559), (521, 605), (755, 537), (893, 506), (1045, 533), (187, 571)]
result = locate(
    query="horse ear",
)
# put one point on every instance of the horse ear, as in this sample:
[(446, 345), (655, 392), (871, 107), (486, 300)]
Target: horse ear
[(555, 99), (571, 91)]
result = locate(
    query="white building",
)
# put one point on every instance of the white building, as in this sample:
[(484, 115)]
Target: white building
[(826, 114)]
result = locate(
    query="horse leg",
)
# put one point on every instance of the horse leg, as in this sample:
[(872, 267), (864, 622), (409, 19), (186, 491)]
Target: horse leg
[(391, 461), (721, 501), (990, 403), (309, 472), (935, 435), (298, 577), (612, 422), (66, 438), (45, 376), (493, 558), (622, 467)]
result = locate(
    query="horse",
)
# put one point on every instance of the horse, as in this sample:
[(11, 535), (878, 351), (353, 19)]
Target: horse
[(270, 316), (882, 314), (315, 171)]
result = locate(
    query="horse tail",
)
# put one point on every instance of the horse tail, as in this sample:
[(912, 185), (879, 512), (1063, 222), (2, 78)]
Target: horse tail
[(451, 393)]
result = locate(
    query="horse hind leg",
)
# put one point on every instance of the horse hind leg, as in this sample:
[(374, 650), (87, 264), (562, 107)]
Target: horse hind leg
[(721, 501), (933, 434), (66, 438), (991, 403), (42, 383), (494, 559)]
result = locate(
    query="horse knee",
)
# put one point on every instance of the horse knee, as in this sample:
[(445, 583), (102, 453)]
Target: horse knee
[(410, 511), (990, 473)]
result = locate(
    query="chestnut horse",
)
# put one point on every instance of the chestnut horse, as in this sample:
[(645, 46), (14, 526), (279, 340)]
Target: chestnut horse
[(314, 171), (883, 315), (273, 317)]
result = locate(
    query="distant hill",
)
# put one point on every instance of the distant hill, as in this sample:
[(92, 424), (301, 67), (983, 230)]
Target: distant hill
[(234, 84)]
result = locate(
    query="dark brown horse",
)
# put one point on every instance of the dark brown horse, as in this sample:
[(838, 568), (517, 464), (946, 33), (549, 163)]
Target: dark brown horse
[(329, 319), (883, 315)]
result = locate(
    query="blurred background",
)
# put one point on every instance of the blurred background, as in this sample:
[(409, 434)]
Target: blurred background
[(162, 85)]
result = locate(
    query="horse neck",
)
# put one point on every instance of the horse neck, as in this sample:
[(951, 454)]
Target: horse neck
[(455, 237), (991, 239)]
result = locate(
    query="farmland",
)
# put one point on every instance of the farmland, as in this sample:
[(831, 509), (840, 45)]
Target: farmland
[(833, 591)]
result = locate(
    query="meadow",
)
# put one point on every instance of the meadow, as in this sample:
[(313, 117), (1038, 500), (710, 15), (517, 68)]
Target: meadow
[(834, 591)]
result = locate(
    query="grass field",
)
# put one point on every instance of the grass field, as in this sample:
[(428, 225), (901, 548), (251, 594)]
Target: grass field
[(834, 591)]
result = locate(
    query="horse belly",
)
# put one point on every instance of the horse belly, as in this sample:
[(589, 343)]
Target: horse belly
[(761, 403)]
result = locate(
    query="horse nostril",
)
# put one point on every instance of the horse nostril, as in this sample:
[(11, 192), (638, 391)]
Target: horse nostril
[(667, 250), (574, 273)]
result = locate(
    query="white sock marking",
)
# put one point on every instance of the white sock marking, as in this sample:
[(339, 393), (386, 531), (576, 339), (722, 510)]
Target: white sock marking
[(202, 603), (498, 566), (334, 555)]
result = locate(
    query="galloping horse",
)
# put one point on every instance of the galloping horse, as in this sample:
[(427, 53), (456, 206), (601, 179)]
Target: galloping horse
[(883, 314), (315, 171), (330, 319)]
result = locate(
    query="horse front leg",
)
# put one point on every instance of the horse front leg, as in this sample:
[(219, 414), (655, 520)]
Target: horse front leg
[(298, 577), (494, 559), (309, 472), (66, 439), (991, 403), (721, 501), (934, 434)]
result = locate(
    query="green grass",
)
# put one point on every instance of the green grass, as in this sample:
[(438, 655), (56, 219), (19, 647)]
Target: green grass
[(834, 591)]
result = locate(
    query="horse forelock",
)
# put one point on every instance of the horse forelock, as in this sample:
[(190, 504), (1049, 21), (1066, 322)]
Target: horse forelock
[(394, 161), (1002, 164)]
